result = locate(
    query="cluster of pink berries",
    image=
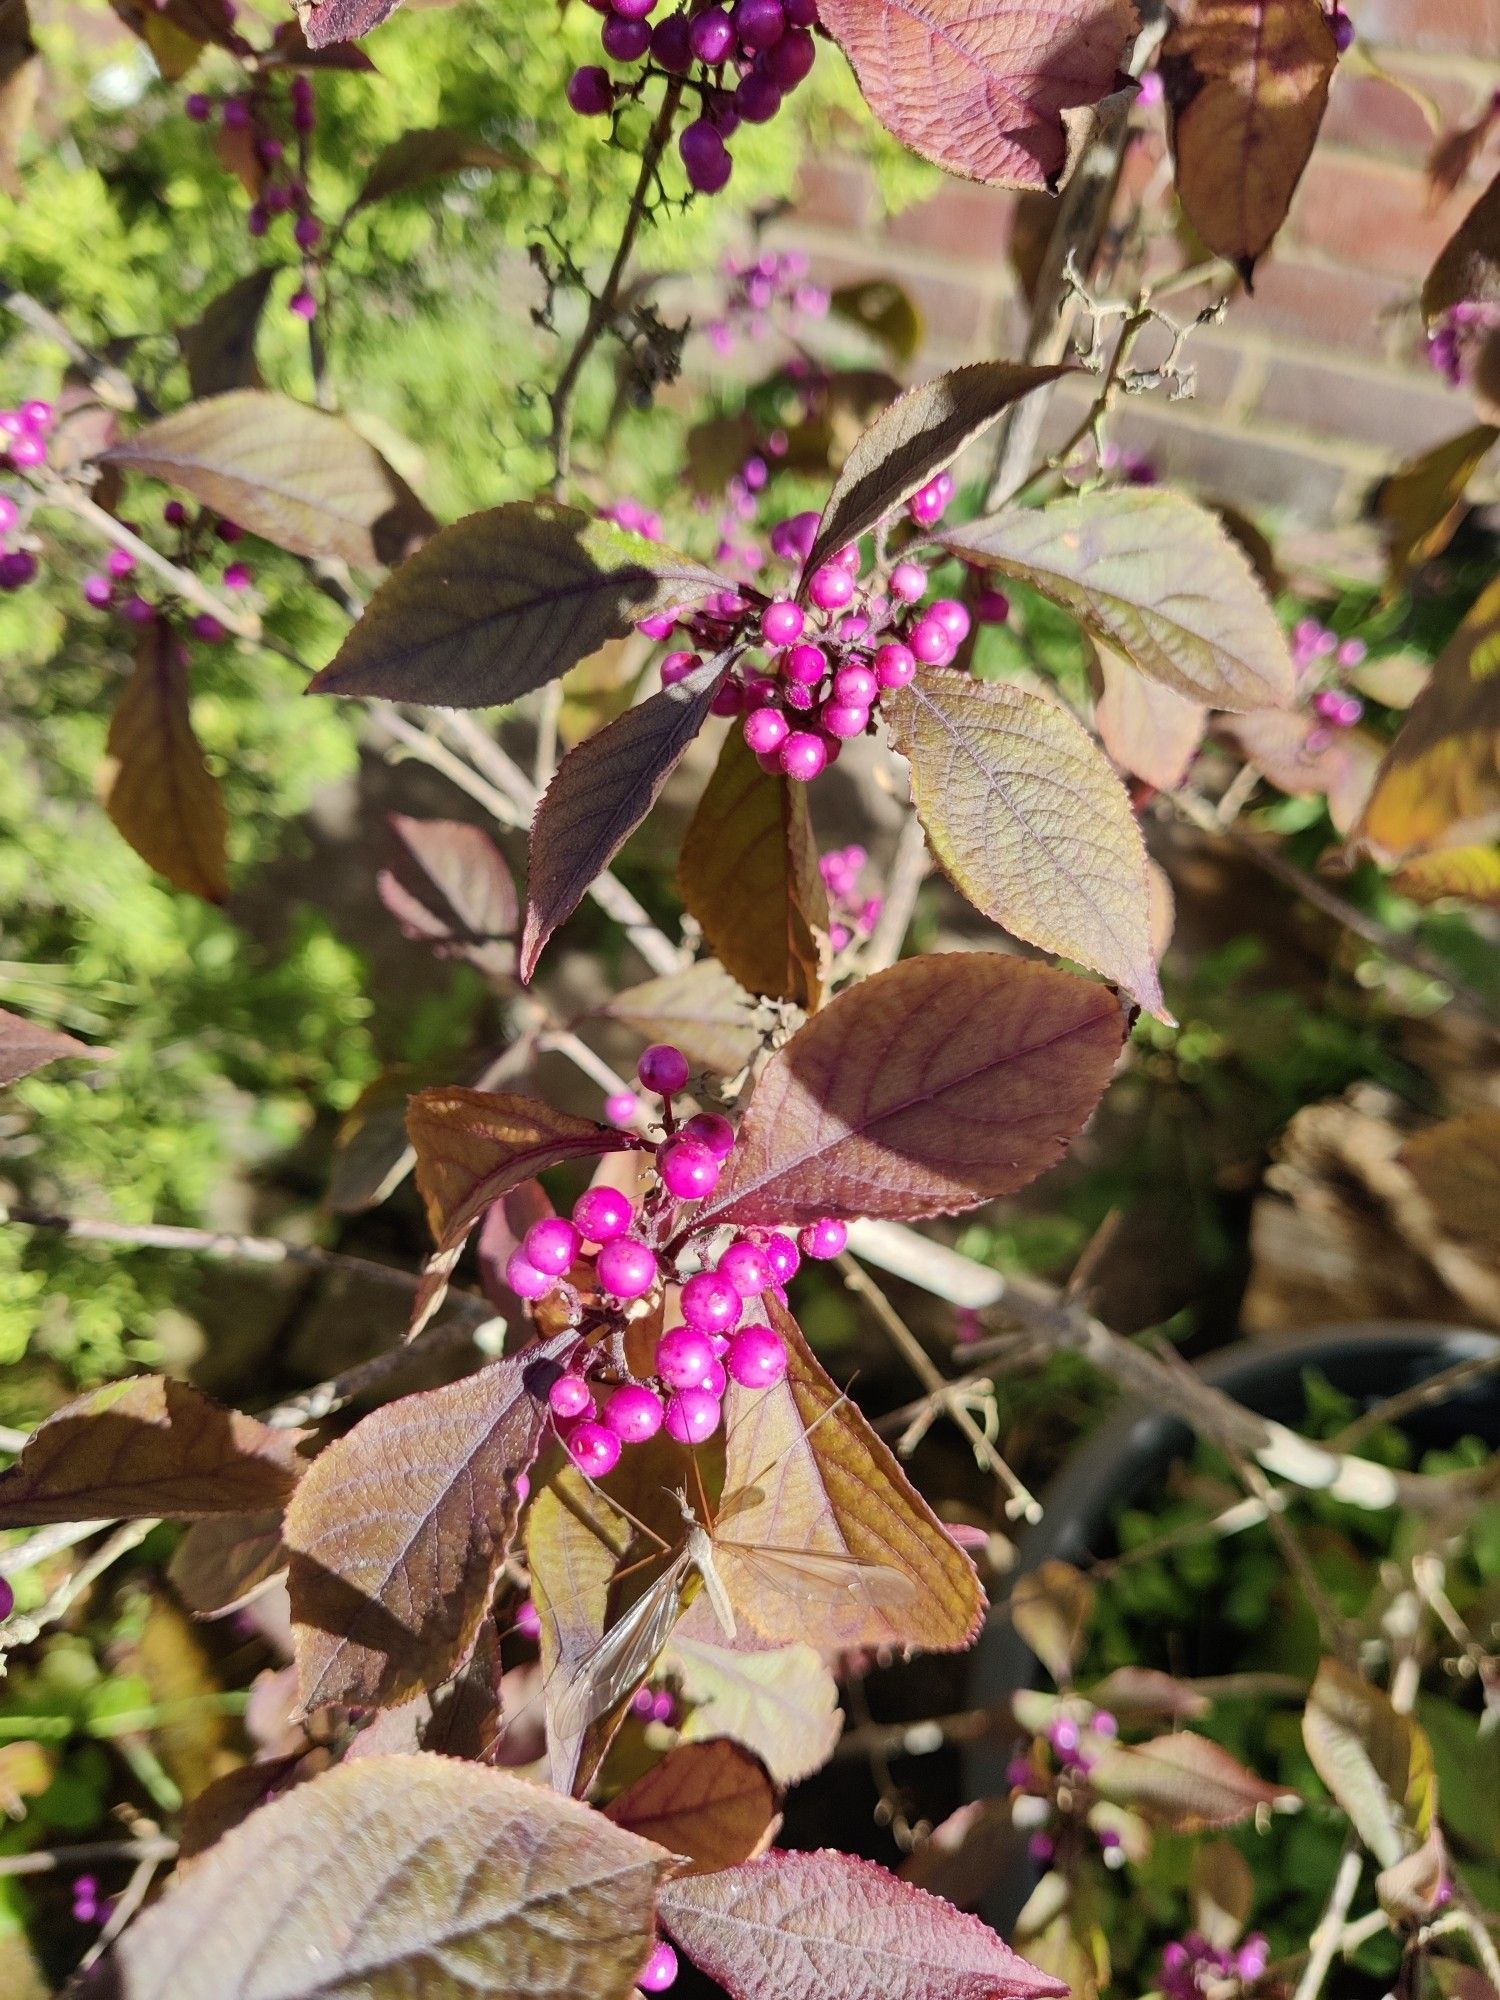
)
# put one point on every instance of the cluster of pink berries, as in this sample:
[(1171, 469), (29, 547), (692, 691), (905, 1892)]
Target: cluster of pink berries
[(1454, 343), (112, 589), (23, 447), (852, 914), (766, 46), (628, 1251), (639, 520), (757, 290), (1194, 1969), (1072, 1760), (1318, 651), (281, 187)]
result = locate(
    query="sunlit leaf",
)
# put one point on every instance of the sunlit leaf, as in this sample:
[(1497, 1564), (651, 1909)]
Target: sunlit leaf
[(936, 1084), (748, 872), (602, 791), (1155, 574), (398, 1531), (1468, 269), (709, 1017), (1246, 86), (1420, 506), (449, 887), (782, 1704), (1029, 822), (1184, 1782), (218, 349), (575, 1541), (30, 1045), (980, 86), (328, 21), (142, 1448), (1149, 729), (1471, 874), (396, 1876), (918, 435), (222, 1563), (1146, 1694), (303, 479), (1051, 1608), (1376, 1761), (431, 155), (158, 788), (710, 1802), (830, 1927), (505, 601)]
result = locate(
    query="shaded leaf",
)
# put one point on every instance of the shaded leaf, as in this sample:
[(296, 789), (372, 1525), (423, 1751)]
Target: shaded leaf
[(1183, 1782), (1029, 822), (711, 1802), (1455, 153), (1299, 757), (222, 1563), (143, 1448), (435, 154), (449, 888), (398, 1531), (782, 1705), (158, 788), (882, 309), (229, 1801), (1155, 574), (1439, 783), (829, 1927), (1375, 1761), (219, 347), (301, 478), (1146, 1694), (1472, 874), (1051, 1608), (575, 1541), (392, 1876), (372, 1153), (1149, 729), (600, 795), (709, 1017), (748, 872), (505, 601), (1468, 267), (20, 82), (1420, 506), (936, 1084), (1222, 1889), (464, 1717), (1246, 85), (328, 21), (30, 1045), (980, 86), (914, 438)]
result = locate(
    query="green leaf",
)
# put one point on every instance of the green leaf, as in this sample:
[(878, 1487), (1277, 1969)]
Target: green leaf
[(1376, 1761), (1154, 574), (505, 601), (1025, 815)]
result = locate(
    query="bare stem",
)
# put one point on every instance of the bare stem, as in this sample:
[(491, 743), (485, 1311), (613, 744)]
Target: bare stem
[(57, 493), (1328, 1936)]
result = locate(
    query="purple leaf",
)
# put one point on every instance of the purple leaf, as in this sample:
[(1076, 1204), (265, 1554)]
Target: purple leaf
[(449, 888), (29, 1045)]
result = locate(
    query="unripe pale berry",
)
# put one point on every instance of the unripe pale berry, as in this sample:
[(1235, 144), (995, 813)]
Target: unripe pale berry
[(710, 1303), (844, 718), (931, 643), (824, 1238), (952, 616), (523, 1277), (663, 1068), (684, 1356), (782, 622), (805, 665), (590, 92), (593, 1448), (712, 35), (693, 1415), (626, 1268), (803, 756), (600, 1214), (705, 156), (688, 1169), (551, 1245), (766, 729), (908, 581), (855, 684), (710, 1130), (895, 665), (620, 1107), (746, 1267), (783, 1257), (570, 1396), (831, 588), (756, 1357), (633, 1412)]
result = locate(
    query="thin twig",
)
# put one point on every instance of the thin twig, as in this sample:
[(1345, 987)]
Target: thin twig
[(23, 1627), (88, 1853), (1330, 1927)]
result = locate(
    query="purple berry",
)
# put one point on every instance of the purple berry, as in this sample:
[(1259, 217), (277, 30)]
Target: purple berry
[(208, 628), (710, 1130), (551, 1245), (790, 62), (18, 568), (523, 1277), (693, 1416), (304, 305), (757, 98), (10, 513), (138, 610), (756, 1357), (855, 684), (663, 1068), (712, 36), (729, 700), (792, 539), (908, 581), (7, 1599), (238, 576), (198, 107), (228, 531), (746, 1267), (633, 1412), (710, 1303), (660, 1969), (782, 621), (705, 156), (593, 1448), (931, 643), (805, 665), (120, 562), (929, 503), (803, 756), (570, 1396), (684, 1356), (175, 514), (626, 1267), (633, 10), (824, 1238), (766, 729), (952, 616), (672, 44), (38, 415), (98, 590), (601, 1214), (236, 114), (783, 1257), (307, 231), (845, 719), (590, 92), (528, 1620), (689, 1170), (625, 41), (28, 449), (831, 588), (620, 1108), (677, 666), (760, 24)]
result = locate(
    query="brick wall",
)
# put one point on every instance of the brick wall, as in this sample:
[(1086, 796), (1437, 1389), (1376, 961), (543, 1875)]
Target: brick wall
[(1313, 386)]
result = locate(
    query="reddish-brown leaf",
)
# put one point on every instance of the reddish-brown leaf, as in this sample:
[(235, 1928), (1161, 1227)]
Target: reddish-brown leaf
[(158, 788), (398, 1532), (431, 155), (706, 1013), (826, 1926), (1184, 1782), (1148, 728), (980, 86), (328, 21), (934, 1085), (29, 1045), (449, 888), (462, 1718), (748, 871), (600, 795), (143, 1448), (1246, 86), (221, 1564), (711, 1802), (1468, 267), (218, 349)]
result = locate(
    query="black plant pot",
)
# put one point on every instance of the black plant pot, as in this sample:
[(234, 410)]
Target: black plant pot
[(1133, 1453)]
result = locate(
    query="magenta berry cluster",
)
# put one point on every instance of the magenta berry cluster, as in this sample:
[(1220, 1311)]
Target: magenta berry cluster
[(851, 914), (1319, 654), (24, 432), (762, 293), (276, 165), (739, 62), (197, 543), (1194, 1969)]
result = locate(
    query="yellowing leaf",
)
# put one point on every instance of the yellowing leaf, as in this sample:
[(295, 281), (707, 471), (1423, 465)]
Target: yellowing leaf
[(781, 1704), (158, 789), (1472, 874), (1184, 1782), (1421, 505), (1376, 1761)]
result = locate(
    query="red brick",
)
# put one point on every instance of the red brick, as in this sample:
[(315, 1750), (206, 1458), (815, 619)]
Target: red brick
[(834, 194), (958, 221), (1373, 217), (1229, 464), (1375, 115), (1398, 413), (1468, 27), (1358, 310)]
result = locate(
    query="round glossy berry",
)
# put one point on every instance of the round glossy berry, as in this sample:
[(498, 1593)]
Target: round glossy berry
[(688, 1170), (710, 1303), (803, 756), (782, 621), (528, 1620), (716, 1381), (712, 36), (766, 729), (672, 44), (677, 666), (805, 665), (790, 62), (590, 92), (236, 114), (304, 305), (626, 1268), (710, 1130), (991, 607), (570, 1396), (757, 97), (39, 415), (633, 1412), (760, 24), (792, 539), (198, 107), (28, 449), (660, 1969), (908, 581), (929, 503), (746, 1267), (952, 616), (705, 156), (98, 590), (693, 1416), (593, 1448), (729, 699), (845, 718), (783, 1257), (855, 684), (684, 1356), (625, 41), (523, 1277), (307, 232), (620, 1108), (18, 567), (551, 1245), (663, 1068), (895, 665), (931, 643), (831, 588), (208, 628), (601, 1214), (824, 1238), (756, 1357), (633, 10), (10, 513), (138, 610)]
